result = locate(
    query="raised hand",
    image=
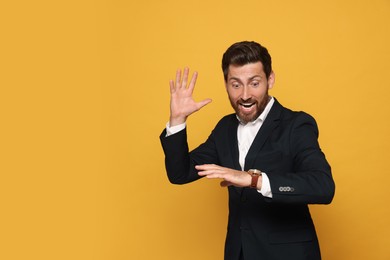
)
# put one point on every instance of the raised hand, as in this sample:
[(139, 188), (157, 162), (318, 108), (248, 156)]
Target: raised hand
[(182, 102)]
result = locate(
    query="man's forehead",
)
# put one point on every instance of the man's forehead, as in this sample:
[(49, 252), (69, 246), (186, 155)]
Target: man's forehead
[(246, 71)]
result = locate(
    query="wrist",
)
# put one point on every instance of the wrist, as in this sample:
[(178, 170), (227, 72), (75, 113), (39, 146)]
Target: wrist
[(174, 121), (256, 179)]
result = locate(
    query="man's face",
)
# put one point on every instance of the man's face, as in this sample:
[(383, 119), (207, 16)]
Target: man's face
[(247, 87)]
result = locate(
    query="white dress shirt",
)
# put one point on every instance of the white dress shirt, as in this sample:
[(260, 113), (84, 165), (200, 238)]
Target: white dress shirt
[(246, 133)]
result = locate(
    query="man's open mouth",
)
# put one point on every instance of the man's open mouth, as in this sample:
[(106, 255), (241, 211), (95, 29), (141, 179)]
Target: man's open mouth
[(247, 105)]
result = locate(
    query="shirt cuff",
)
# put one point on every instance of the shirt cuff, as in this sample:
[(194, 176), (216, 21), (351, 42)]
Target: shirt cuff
[(265, 186), (174, 129)]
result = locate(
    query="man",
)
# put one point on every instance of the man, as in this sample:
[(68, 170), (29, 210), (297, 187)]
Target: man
[(267, 155)]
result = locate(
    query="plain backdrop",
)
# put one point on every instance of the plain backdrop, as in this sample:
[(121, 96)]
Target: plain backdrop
[(84, 95)]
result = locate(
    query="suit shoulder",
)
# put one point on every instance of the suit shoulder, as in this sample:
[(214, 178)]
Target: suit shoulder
[(225, 123), (297, 116), (226, 120), (299, 122)]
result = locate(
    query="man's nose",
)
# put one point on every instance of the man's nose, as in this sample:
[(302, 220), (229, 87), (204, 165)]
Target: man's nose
[(245, 93)]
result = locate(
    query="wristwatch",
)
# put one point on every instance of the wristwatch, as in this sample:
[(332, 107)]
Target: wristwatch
[(255, 177)]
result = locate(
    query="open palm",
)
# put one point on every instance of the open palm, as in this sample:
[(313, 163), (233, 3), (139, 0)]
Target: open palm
[(182, 102)]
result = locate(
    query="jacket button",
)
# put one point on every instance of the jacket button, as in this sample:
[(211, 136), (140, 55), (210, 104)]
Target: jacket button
[(286, 189)]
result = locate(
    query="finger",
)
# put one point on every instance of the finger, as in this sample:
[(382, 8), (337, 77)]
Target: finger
[(185, 77), (172, 86), (205, 167), (214, 175), (203, 173), (193, 81), (178, 78), (203, 103), (209, 173)]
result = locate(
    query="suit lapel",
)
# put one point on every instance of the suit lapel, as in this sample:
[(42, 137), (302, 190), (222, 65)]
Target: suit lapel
[(270, 123), (233, 143)]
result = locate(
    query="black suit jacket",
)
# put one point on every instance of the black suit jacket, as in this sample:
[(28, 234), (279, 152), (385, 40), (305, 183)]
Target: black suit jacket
[(287, 150)]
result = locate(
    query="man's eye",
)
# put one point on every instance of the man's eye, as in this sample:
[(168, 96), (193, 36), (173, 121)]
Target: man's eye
[(235, 85), (255, 84)]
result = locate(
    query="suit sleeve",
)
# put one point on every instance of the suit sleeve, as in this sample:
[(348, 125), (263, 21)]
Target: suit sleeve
[(309, 181), (179, 162)]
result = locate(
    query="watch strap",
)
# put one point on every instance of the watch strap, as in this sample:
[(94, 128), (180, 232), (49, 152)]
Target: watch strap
[(255, 177)]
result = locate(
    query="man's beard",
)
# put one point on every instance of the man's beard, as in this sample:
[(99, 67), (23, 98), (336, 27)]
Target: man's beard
[(246, 118)]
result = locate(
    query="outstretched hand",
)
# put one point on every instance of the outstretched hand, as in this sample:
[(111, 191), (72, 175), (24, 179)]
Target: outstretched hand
[(182, 102), (229, 176)]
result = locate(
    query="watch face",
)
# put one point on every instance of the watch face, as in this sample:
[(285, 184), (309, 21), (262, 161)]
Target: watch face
[(254, 172)]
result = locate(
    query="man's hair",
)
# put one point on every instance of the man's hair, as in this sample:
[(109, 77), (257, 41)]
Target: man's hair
[(242, 53)]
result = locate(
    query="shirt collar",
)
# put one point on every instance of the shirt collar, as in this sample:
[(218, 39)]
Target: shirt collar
[(263, 115)]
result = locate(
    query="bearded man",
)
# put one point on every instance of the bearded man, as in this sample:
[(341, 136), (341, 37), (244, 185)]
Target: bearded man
[(266, 155)]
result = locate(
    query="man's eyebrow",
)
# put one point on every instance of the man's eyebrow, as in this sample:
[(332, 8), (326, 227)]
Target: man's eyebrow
[(234, 78), (251, 78), (255, 76)]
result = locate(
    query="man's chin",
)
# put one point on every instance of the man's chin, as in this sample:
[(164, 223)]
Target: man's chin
[(245, 118)]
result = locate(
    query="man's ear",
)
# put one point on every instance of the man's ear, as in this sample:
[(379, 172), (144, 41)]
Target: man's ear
[(271, 80)]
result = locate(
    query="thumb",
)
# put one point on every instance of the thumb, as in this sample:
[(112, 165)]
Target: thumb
[(203, 103)]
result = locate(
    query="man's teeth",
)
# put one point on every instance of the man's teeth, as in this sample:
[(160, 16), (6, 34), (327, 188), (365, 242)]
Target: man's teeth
[(246, 104)]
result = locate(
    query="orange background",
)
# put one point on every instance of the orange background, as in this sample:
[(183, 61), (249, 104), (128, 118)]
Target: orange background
[(84, 95)]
